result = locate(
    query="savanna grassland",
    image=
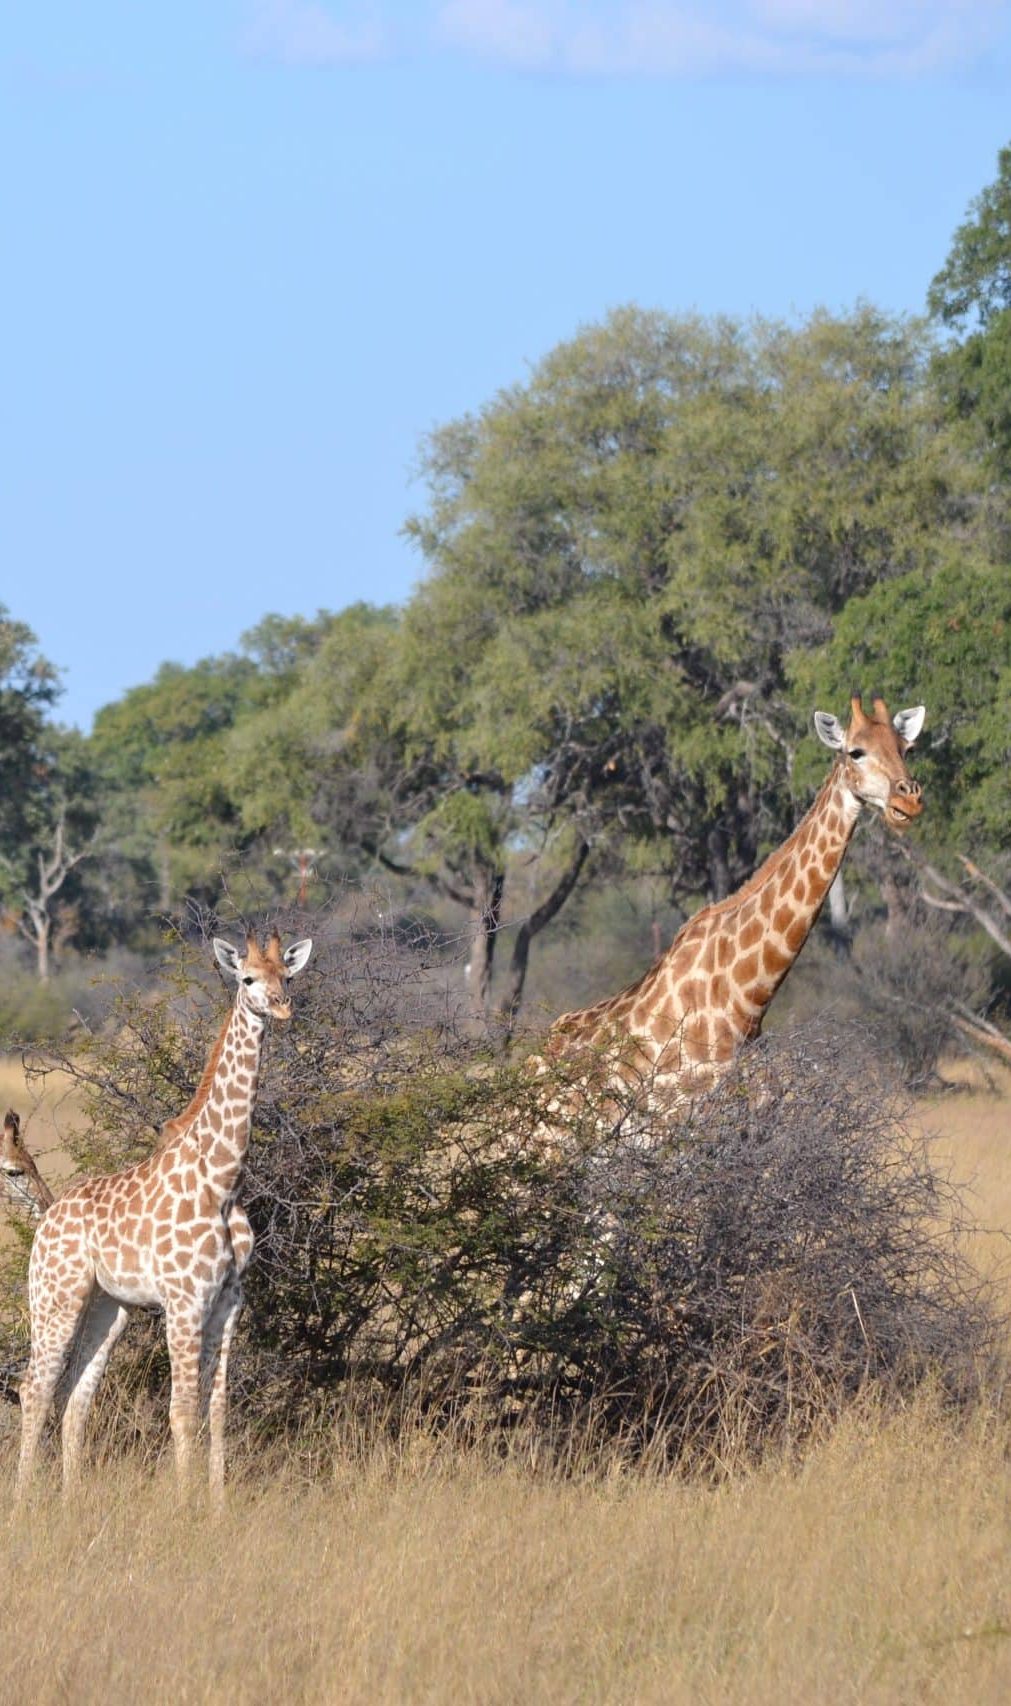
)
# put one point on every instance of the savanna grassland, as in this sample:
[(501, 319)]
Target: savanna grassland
[(872, 1567), (875, 1571)]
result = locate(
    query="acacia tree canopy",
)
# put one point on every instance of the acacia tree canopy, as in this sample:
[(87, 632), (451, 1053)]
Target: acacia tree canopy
[(624, 552), (971, 297)]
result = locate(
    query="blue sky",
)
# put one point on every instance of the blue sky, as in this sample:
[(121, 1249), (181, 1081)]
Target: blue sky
[(254, 249)]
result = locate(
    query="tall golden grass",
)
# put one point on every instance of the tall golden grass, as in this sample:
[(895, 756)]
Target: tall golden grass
[(875, 1571)]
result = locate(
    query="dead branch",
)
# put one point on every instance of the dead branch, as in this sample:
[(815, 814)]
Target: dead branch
[(949, 896)]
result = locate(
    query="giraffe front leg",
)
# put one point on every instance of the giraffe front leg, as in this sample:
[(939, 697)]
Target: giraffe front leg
[(184, 1323), (102, 1324)]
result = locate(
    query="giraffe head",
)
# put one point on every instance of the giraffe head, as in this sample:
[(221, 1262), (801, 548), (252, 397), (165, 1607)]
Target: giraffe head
[(25, 1184), (873, 757), (262, 974)]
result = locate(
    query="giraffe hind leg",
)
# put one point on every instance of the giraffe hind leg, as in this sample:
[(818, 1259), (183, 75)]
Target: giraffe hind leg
[(214, 1377), (53, 1330), (101, 1325), (184, 1329)]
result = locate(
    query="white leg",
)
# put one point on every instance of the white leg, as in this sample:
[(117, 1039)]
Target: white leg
[(102, 1323)]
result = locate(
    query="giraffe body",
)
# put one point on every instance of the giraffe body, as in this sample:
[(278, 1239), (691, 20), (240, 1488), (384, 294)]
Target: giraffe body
[(678, 1027), (167, 1233)]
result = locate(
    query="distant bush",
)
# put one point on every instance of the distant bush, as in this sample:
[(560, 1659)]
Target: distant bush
[(35, 1012), (430, 1225)]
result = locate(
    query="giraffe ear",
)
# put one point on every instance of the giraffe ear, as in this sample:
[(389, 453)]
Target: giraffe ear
[(226, 956), (830, 730), (909, 723), (296, 956)]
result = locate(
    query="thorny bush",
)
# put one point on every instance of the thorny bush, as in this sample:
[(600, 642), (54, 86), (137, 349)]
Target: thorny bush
[(431, 1224)]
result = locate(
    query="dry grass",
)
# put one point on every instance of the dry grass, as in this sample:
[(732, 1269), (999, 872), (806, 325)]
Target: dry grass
[(876, 1570), (974, 1133)]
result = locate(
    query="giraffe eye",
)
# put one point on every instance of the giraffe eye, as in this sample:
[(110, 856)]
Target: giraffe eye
[(247, 980), (857, 752)]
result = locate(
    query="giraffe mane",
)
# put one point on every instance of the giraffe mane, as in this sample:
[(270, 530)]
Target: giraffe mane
[(179, 1122)]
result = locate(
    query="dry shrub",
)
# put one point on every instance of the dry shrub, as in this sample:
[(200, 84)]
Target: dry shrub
[(432, 1238), (910, 983)]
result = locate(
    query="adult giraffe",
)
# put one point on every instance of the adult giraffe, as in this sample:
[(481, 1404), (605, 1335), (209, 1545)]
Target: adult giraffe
[(21, 1179), (679, 1025), (168, 1232)]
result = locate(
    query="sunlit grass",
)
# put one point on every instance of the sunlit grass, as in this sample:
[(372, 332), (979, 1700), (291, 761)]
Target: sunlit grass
[(876, 1570)]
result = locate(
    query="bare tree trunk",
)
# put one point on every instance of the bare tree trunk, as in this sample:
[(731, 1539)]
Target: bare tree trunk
[(839, 916), (719, 865), (164, 877), (53, 873), (531, 927), (488, 905), (942, 892), (895, 904), (41, 928)]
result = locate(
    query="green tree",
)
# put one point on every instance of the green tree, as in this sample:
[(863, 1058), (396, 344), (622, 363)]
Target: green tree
[(318, 754), (946, 639), (172, 806), (624, 551), (48, 809), (971, 297), (626, 556), (29, 687)]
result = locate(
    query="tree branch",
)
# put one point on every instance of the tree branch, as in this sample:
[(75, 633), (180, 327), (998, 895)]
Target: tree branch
[(957, 898), (560, 893), (978, 876)]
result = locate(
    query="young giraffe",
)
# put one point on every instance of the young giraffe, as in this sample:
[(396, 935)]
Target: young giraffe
[(24, 1184), (680, 1025), (167, 1233)]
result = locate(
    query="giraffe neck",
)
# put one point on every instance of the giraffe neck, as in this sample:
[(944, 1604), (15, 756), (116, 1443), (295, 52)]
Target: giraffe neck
[(221, 1125), (709, 992), (759, 931)]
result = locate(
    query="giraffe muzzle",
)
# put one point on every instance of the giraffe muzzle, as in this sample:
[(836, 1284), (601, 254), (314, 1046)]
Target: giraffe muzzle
[(905, 803)]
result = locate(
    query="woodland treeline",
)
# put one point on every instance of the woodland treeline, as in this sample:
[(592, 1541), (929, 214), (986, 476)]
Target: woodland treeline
[(640, 571)]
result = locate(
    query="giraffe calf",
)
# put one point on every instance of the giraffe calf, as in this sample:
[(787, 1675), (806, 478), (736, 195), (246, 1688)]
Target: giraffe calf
[(167, 1233)]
